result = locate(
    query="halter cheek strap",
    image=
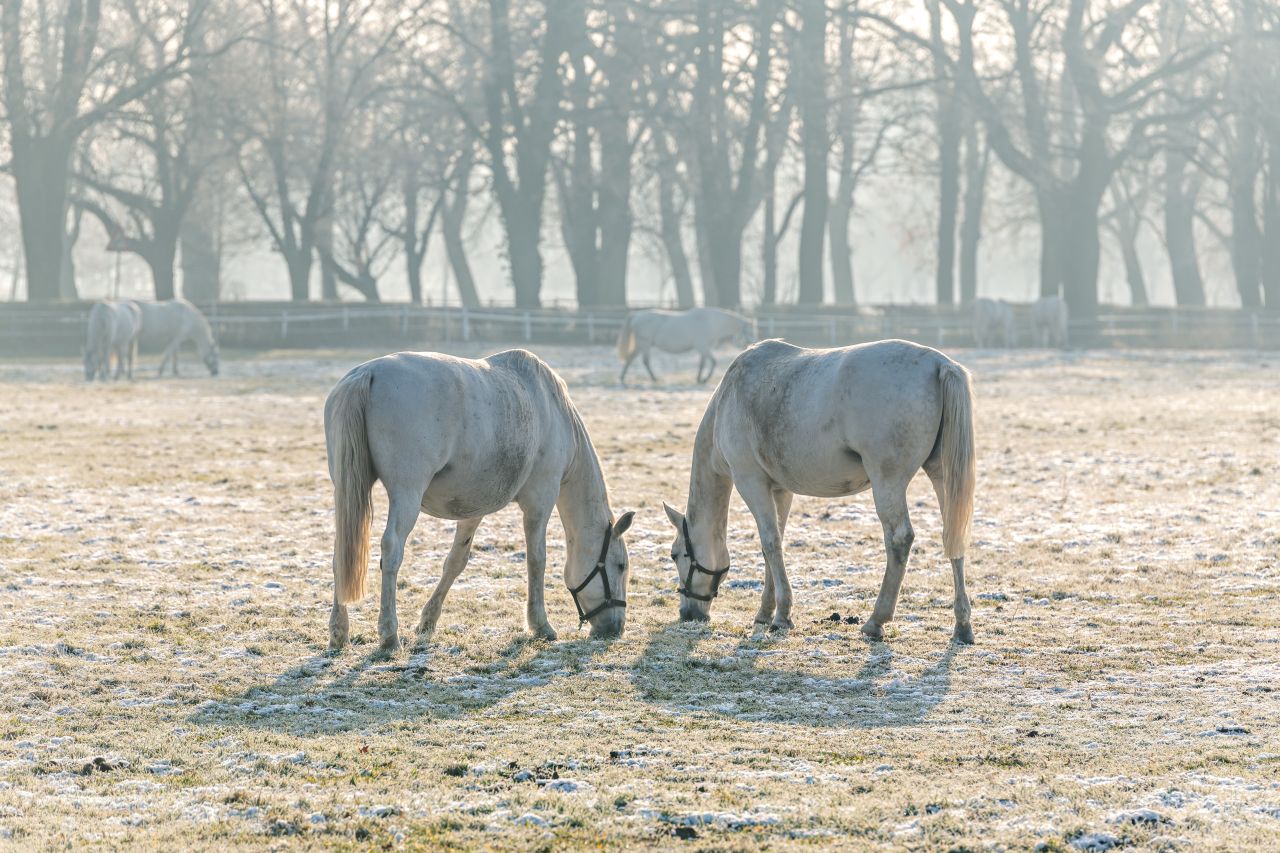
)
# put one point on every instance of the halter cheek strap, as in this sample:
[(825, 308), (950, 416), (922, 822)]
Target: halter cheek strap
[(609, 600), (717, 575)]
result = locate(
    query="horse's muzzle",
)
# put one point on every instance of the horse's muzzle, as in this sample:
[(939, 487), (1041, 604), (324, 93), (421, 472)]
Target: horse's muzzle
[(694, 611), (609, 624)]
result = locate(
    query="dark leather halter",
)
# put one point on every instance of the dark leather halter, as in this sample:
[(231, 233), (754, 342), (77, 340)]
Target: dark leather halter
[(609, 600), (717, 575)]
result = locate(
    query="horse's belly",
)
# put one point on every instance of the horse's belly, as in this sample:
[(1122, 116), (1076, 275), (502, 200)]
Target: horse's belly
[(457, 496), (830, 478)]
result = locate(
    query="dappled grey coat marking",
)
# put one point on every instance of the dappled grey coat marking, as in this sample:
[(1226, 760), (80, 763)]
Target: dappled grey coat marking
[(460, 439), (173, 323), (701, 329), (113, 328), (787, 420)]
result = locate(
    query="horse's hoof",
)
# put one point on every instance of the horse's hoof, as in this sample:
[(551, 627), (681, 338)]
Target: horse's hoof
[(963, 635), (545, 632), (758, 630), (781, 627), (387, 649), (872, 631)]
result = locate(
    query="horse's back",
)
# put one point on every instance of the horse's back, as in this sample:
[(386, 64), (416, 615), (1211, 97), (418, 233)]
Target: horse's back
[(817, 421), (465, 432)]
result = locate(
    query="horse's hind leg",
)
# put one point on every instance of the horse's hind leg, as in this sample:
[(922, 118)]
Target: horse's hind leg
[(708, 359), (644, 357), (622, 378), (963, 609), (891, 505), (402, 514), (453, 566)]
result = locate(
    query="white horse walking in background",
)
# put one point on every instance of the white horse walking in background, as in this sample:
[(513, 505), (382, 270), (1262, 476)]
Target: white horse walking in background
[(701, 329), (113, 328), (461, 439), (171, 324), (1049, 322), (786, 421), (992, 323)]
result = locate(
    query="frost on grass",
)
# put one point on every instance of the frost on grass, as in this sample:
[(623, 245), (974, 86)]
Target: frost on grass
[(165, 580)]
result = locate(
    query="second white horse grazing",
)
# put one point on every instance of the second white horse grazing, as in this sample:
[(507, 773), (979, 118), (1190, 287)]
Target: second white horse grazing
[(113, 328), (171, 324), (992, 323), (461, 439), (787, 420), (1049, 321), (701, 329)]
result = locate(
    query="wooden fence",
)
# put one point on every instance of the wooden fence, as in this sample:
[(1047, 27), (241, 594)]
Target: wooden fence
[(58, 330)]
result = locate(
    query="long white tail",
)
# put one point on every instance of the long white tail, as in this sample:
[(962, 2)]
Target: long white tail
[(959, 467), (626, 340), (353, 476)]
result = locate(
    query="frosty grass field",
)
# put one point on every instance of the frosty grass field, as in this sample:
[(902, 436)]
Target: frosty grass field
[(165, 583)]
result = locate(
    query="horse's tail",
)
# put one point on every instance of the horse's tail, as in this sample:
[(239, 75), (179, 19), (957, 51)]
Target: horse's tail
[(959, 468), (351, 468), (626, 339)]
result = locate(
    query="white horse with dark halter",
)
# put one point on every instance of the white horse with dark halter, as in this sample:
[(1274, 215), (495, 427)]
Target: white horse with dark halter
[(173, 323), (460, 439), (786, 421), (1049, 322), (701, 329), (113, 328)]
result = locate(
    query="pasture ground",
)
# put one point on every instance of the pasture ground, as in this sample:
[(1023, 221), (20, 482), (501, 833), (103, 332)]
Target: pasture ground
[(165, 583)]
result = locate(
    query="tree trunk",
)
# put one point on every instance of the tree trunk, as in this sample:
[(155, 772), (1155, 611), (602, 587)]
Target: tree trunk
[(1081, 252), (1179, 230), (453, 216), (614, 205), (201, 255), (299, 264), (1127, 236), (1049, 204), (324, 245), (1271, 217), (949, 133), (815, 142), (672, 232), (40, 176), (769, 249), (1246, 237), (977, 158)]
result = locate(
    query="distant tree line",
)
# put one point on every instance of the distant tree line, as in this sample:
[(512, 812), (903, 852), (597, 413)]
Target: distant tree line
[(353, 131)]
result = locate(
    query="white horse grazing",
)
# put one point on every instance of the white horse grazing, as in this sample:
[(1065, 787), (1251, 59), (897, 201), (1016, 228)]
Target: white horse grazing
[(113, 328), (1049, 320), (992, 323), (460, 439), (172, 324), (701, 329), (787, 420)]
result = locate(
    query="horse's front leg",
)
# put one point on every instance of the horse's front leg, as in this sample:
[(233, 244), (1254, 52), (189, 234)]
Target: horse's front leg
[(402, 514), (759, 498), (711, 366), (535, 546), (454, 563), (891, 506)]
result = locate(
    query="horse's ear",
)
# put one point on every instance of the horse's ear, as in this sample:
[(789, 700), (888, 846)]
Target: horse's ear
[(623, 524), (672, 513)]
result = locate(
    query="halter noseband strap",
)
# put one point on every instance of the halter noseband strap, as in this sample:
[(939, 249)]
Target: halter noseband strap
[(609, 600), (717, 575)]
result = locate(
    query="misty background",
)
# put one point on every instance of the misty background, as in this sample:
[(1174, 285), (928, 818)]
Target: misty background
[(610, 152)]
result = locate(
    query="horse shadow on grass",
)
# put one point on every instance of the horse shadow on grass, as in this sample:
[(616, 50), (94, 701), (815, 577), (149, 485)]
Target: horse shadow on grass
[(325, 694), (742, 685)]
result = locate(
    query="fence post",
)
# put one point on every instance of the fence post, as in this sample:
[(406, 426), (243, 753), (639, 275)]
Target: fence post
[(528, 327)]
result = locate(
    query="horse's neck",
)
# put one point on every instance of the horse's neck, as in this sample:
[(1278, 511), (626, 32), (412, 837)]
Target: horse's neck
[(709, 490), (584, 501)]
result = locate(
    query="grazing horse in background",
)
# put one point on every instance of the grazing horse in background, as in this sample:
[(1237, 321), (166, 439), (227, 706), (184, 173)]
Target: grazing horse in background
[(460, 439), (1049, 320), (701, 329), (113, 328), (172, 324), (830, 422), (992, 323)]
